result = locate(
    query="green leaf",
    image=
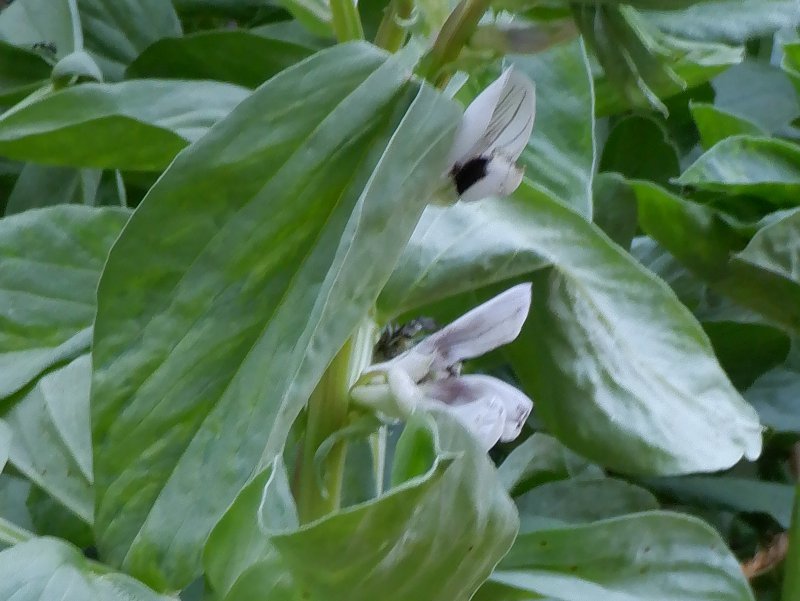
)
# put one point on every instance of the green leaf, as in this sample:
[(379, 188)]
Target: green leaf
[(116, 31), (775, 396), (540, 459), (51, 518), (776, 247), (715, 124), (29, 22), (729, 21), (657, 556), (693, 62), (242, 300), (460, 248), (578, 501), (46, 569), (746, 350), (443, 531), (642, 64), (759, 92), (640, 148), (791, 62), (607, 343), (237, 57), (52, 260), (239, 558), (615, 208), (21, 72), (5, 443), (757, 166), (41, 186), (689, 289), (435, 536), (560, 156), (314, 15), (51, 436), (705, 241), (82, 126), (731, 493)]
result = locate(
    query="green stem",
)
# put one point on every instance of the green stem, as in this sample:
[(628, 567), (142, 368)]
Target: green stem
[(391, 34), (346, 21), (453, 36), (327, 413)]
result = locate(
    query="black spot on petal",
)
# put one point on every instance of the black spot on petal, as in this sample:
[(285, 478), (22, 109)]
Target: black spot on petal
[(471, 172)]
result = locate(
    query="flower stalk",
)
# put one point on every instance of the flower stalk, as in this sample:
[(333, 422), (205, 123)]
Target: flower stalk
[(453, 36), (392, 34), (328, 412), (346, 21)]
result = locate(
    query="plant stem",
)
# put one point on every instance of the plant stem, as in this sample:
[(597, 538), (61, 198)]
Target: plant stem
[(327, 414), (346, 21), (391, 34), (455, 33)]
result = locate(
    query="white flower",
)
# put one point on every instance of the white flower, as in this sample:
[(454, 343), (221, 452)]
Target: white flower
[(426, 376), (493, 133)]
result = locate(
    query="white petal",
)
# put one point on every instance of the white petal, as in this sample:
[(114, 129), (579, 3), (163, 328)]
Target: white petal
[(516, 403), (469, 389), (476, 120), (512, 121), (415, 363), (397, 397), (501, 179), (488, 326), (484, 418)]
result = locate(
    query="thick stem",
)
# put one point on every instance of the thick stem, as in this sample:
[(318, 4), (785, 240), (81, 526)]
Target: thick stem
[(327, 414), (346, 21), (453, 36), (391, 33)]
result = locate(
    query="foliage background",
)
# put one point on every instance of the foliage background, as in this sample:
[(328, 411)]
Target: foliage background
[(146, 392)]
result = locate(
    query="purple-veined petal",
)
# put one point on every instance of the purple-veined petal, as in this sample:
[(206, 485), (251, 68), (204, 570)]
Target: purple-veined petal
[(484, 328), (484, 418), (469, 389)]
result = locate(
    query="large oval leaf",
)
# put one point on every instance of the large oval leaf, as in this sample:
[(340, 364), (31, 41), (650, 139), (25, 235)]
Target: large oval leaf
[(655, 556), (83, 125), (51, 260), (239, 277), (618, 367)]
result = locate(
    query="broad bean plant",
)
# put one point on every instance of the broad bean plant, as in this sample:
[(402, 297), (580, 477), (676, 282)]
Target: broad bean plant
[(399, 300)]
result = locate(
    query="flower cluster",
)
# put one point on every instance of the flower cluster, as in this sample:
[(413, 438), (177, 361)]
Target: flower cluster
[(427, 375)]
